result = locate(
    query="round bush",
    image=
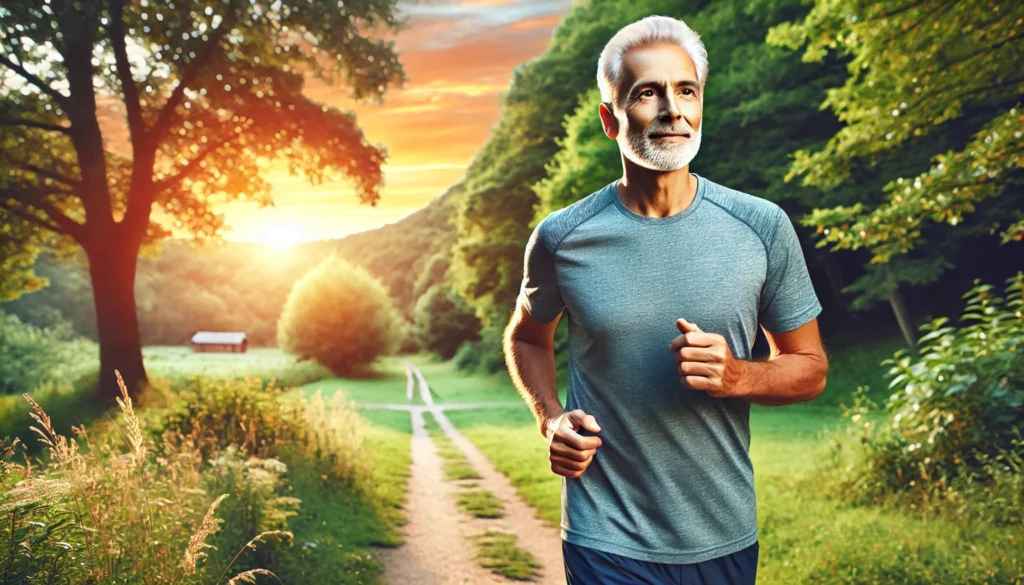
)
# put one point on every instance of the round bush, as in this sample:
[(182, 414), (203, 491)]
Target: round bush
[(339, 315)]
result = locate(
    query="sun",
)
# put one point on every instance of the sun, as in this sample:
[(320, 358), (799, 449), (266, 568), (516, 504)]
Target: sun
[(280, 235)]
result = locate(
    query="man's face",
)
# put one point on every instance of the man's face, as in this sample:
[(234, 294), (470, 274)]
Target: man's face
[(657, 117)]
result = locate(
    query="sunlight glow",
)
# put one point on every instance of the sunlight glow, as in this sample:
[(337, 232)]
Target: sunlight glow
[(280, 235)]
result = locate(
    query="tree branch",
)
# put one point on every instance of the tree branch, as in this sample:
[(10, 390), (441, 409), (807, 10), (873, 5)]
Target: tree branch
[(885, 15), (174, 181), (34, 124), (33, 219), (59, 223), (39, 83), (940, 8), (163, 121), (136, 125), (44, 172)]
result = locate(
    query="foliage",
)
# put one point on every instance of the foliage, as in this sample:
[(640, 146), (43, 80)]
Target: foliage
[(223, 85), (915, 65), (339, 315), (444, 321), (955, 425), (112, 513), (31, 357), (485, 356), (587, 160), (205, 96), (147, 506)]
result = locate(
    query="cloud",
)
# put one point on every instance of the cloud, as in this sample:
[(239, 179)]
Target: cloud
[(545, 22)]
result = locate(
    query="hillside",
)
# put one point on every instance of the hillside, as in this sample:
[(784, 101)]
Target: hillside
[(242, 286)]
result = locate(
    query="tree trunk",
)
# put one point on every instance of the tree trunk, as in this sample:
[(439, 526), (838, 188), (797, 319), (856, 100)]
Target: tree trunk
[(835, 279), (112, 263), (899, 307)]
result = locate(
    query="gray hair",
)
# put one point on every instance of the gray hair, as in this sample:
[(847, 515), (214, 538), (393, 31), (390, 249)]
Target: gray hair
[(648, 31)]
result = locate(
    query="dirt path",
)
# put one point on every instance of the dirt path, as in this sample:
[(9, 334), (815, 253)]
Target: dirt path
[(437, 550)]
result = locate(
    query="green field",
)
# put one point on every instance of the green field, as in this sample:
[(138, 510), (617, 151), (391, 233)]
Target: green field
[(447, 384), (805, 536), (266, 363)]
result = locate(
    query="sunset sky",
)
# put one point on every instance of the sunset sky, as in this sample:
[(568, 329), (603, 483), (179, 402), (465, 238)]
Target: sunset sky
[(458, 58)]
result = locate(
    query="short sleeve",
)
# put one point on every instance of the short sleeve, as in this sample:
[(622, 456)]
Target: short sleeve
[(539, 291), (788, 299)]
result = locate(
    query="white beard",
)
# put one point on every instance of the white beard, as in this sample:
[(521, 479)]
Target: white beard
[(672, 156)]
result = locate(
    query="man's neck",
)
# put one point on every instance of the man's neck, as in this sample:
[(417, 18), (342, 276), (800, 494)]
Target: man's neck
[(656, 193)]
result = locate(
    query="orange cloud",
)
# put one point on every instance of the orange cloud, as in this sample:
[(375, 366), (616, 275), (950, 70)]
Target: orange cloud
[(546, 22)]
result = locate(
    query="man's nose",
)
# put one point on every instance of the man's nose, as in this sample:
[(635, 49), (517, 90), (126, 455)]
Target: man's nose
[(670, 109)]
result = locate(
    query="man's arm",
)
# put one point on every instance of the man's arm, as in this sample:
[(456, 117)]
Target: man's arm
[(529, 352), (795, 370)]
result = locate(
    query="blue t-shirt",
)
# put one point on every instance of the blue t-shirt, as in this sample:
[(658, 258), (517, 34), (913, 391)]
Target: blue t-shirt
[(672, 481)]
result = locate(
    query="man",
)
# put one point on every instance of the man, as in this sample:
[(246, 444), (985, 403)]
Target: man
[(665, 276)]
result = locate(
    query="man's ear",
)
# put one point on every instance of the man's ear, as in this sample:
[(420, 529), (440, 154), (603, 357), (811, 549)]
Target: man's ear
[(608, 120)]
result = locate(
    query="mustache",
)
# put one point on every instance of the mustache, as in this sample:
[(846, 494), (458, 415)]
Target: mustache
[(655, 129)]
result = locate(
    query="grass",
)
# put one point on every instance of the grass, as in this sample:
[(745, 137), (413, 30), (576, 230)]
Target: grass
[(481, 503), (363, 519), (177, 362), (449, 385), (498, 552), (386, 382), (805, 536), (455, 465), (338, 519), (72, 402)]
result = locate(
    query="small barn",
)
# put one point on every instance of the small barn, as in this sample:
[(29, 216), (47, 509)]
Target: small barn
[(220, 341)]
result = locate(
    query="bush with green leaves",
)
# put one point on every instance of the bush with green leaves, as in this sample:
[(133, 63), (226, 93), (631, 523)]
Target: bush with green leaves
[(953, 430), (32, 356), (339, 315), (444, 321)]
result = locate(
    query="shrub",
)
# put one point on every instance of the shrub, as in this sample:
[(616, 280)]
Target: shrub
[(69, 405), (136, 505), (953, 428), (339, 315), (485, 356), (111, 514), (31, 357), (444, 321)]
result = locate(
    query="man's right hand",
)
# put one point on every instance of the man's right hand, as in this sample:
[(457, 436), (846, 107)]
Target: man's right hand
[(569, 452)]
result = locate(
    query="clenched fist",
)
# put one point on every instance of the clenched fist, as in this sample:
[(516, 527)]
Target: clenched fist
[(571, 453), (705, 361)]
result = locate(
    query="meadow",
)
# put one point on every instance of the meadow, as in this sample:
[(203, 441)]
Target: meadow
[(309, 485), (807, 535)]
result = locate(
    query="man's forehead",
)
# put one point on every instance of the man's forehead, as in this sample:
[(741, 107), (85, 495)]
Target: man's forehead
[(655, 64)]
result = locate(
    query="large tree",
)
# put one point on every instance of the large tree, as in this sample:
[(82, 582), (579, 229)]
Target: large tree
[(126, 122), (921, 70)]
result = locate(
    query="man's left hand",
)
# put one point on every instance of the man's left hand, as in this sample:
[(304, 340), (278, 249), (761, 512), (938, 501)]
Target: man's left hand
[(705, 361)]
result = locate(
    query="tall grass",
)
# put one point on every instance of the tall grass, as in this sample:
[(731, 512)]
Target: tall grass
[(203, 482), (107, 511)]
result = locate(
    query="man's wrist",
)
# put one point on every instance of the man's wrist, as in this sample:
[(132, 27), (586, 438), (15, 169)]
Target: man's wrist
[(549, 422), (739, 385)]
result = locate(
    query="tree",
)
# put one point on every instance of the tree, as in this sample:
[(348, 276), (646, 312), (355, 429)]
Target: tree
[(917, 65), (339, 315), (444, 321), (210, 93)]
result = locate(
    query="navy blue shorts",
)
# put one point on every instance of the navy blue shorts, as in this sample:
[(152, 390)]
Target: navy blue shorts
[(588, 566)]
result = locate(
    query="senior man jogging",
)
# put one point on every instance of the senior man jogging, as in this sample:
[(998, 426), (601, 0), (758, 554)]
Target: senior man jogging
[(665, 276)]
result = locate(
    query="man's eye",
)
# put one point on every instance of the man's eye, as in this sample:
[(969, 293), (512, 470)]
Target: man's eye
[(686, 89), (647, 93)]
